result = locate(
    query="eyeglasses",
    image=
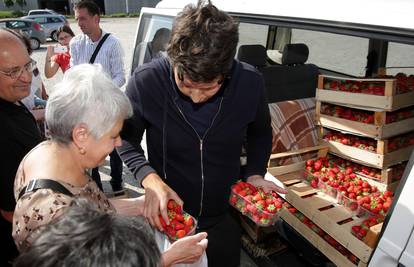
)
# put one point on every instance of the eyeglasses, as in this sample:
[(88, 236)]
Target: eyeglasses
[(17, 72)]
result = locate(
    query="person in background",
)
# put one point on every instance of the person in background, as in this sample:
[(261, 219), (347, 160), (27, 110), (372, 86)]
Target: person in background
[(197, 106), (80, 140), (19, 132), (110, 56), (75, 240), (158, 46), (61, 60)]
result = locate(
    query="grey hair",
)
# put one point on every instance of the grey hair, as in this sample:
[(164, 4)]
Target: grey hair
[(85, 95)]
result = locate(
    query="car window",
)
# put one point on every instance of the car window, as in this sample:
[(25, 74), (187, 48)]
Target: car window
[(400, 58), (39, 20), (149, 25), (17, 24), (333, 51), (3, 25), (54, 20), (250, 33)]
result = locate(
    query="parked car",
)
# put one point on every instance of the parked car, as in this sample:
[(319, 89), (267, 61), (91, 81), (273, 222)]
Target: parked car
[(352, 40), (42, 12), (51, 23), (32, 29)]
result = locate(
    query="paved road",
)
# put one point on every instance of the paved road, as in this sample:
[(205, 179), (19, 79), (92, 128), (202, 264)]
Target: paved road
[(124, 29)]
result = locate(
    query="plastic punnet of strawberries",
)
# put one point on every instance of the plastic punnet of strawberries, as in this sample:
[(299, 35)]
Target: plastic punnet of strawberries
[(253, 202), (180, 222)]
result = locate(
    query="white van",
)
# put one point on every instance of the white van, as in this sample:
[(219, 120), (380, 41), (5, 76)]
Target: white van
[(350, 39)]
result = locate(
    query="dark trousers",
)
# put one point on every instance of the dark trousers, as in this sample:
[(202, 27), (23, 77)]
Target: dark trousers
[(223, 243), (116, 172), (8, 251)]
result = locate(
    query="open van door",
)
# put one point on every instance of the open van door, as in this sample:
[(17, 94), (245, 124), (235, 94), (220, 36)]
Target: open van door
[(150, 21), (396, 245)]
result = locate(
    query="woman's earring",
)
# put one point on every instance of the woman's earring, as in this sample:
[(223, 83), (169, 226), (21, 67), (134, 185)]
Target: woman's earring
[(82, 151)]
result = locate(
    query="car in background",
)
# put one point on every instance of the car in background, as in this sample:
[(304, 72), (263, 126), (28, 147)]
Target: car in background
[(50, 23), (42, 12), (33, 30)]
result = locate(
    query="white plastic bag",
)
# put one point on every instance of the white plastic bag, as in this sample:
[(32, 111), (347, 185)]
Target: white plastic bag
[(163, 244)]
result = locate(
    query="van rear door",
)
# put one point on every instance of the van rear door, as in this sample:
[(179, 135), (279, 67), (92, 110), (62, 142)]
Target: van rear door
[(396, 245)]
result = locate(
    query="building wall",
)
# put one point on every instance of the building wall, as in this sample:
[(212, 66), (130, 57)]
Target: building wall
[(134, 6), (31, 4)]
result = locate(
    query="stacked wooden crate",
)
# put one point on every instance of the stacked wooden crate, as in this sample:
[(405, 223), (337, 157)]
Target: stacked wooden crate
[(378, 109), (327, 224)]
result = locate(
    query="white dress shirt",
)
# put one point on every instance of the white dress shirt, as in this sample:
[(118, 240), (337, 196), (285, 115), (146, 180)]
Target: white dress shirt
[(110, 55)]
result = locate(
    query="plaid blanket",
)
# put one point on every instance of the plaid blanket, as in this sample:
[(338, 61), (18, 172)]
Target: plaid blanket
[(293, 127)]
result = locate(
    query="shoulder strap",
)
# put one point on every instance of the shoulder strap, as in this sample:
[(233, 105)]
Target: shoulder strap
[(44, 184), (92, 60)]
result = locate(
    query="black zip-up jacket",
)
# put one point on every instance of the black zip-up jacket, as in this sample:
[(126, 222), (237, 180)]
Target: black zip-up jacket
[(200, 170)]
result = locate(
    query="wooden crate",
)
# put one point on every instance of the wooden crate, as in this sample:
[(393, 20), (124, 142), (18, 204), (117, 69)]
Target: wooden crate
[(322, 150), (378, 130), (389, 101), (379, 159), (313, 204), (255, 232), (330, 252)]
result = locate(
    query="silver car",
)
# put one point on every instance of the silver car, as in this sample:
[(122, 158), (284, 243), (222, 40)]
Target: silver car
[(32, 29), (51, 23)]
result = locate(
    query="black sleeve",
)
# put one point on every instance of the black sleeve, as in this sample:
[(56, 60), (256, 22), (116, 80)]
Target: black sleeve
[(259, 137), (131, 151), (10, 160)]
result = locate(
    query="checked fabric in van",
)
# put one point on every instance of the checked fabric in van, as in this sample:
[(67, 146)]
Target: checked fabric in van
[(293, 127)]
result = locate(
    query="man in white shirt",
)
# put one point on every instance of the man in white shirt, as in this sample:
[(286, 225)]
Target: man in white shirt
[(110, 56)]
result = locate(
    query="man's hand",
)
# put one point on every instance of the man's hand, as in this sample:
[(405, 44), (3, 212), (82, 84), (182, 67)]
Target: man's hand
[(259, 181), (157, 194), (186, 250)]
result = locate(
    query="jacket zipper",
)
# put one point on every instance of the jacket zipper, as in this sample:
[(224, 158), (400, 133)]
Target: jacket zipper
[(201, 147)]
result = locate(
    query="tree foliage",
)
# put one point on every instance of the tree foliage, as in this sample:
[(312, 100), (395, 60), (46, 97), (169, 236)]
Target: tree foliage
[(21, 3), (10, 3)]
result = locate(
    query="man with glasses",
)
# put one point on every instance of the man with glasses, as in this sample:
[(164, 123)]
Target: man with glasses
[(19, 132), (197, 106)]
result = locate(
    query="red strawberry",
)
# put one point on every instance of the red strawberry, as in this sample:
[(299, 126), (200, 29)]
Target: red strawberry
[(189, 221), (180, 234)]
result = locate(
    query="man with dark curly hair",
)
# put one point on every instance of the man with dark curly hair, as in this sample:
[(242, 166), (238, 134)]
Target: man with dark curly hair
[(197, 106)]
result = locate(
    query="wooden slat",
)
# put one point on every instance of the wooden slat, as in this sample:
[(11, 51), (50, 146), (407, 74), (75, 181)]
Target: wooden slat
[(403, 100), (329, 251), (396, 128), (296, 152), (291, 178), (325, 221), (276, 171), (302, 189), (356, 154), (359, 128), (368, 130), (355, 99)]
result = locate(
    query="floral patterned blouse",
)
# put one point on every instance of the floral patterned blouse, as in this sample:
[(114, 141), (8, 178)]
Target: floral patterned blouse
[(39, 208)]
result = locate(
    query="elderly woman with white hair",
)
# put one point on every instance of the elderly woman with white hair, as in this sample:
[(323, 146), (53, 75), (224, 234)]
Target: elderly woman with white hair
[(84, 115)]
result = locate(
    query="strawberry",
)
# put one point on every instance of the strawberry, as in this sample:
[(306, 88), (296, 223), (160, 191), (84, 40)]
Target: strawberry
[(180, 234), (189, 221)]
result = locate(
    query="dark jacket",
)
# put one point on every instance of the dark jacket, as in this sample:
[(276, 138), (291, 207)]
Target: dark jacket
[(199, 170)]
